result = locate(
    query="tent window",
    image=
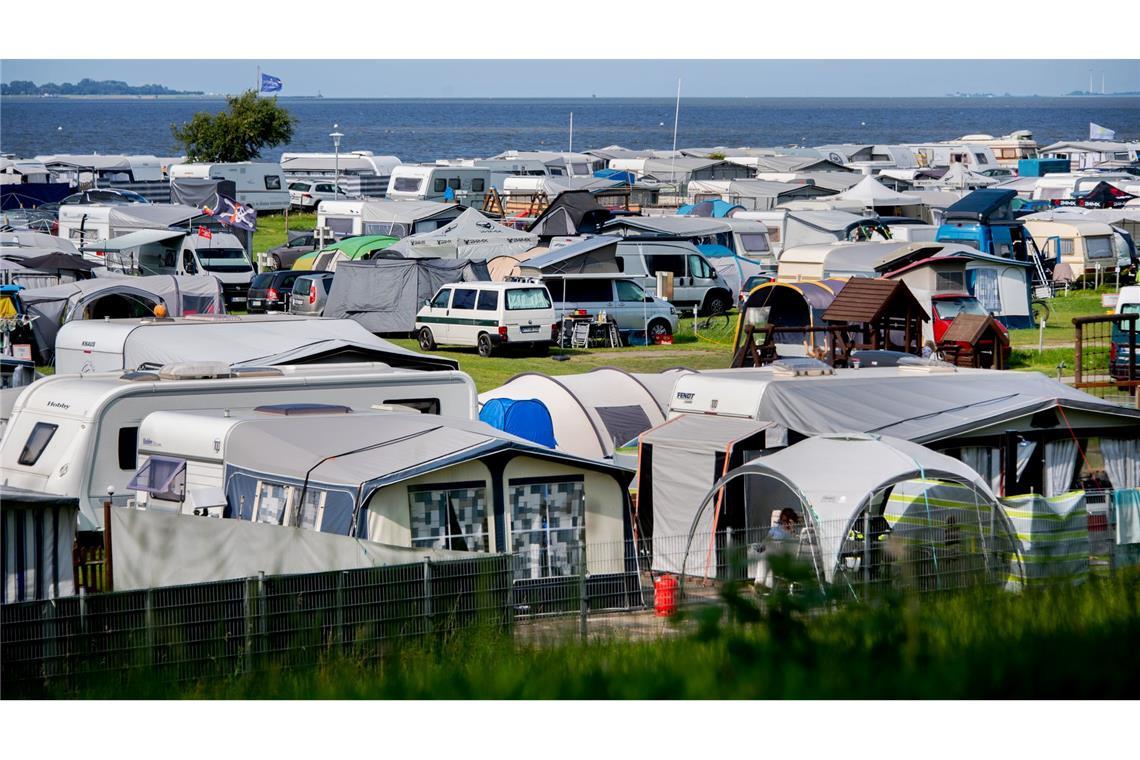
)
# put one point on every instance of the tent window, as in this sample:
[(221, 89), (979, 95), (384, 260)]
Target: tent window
[(463, 299), (128, 446), (271, 502), (623, 423), (488, 300), (449, 517), (547, 518), (161, 477), (312, 509), (986, 289), (421, 405), (41, 434)]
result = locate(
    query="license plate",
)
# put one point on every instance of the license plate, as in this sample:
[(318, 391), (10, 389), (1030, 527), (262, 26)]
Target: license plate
[(530, 329), (251, 303), (236, 299)]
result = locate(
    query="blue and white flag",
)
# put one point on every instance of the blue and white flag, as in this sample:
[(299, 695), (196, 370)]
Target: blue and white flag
[(270, 83), (233, 214), (1097, 132)]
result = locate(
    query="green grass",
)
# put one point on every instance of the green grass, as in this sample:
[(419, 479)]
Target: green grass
[(270, 231), (1059, 328), (1059, 642)]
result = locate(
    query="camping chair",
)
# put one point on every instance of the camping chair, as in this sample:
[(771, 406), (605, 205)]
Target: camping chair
[(580, 338)]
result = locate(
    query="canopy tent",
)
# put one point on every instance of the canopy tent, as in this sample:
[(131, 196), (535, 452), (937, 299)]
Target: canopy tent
[(875, 195), (252, 340), (679, 461), (117, 297), (595, 412), (574, 212), (358, 248), (384, 295), (470, 236), (960, 177), (527, 418), (840, 499), (807, 227), (594, 255)]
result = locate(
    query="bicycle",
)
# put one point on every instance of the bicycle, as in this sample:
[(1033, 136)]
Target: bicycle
[(1041, 310), (716, 320)]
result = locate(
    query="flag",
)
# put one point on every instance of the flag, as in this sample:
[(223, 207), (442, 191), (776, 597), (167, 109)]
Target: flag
[(270, 83), (204, 233), (234, 214), (1097, 132)]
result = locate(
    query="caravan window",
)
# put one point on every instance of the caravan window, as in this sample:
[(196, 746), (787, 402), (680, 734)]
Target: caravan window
[(439, 185), (477, 185), (454, 183), (451, 516), (343, 225), (754, 242), (128, 448), (36, 443), (407, 184), (981, 157), (1098, 247), (421, 405), (272, 182)]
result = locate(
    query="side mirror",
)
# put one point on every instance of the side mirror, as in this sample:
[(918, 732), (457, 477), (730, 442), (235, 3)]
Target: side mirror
[(649, 299)]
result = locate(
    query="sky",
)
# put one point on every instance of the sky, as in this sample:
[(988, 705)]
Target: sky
[(614, 78)]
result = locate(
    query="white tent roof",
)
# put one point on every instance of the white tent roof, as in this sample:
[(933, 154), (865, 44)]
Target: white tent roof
[(470, 236), (960, 176), (27, 239), (873, 193)]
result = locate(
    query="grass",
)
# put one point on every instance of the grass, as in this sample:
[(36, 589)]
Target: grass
[(270, 231), (1059, 328), (1059, 642)]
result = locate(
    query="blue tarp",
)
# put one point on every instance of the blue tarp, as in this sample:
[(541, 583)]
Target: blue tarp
[(526, 418), (616, 175), (717, 209)]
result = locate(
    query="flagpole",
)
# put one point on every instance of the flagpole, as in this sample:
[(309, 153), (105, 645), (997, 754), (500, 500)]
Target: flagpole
[(257, 85)]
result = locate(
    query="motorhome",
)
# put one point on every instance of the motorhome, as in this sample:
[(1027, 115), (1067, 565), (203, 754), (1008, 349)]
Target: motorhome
[(258, 184), (150, 252), (385, 217), (465, 185), (696, 282), (1009, 149), (77, 435), (86, 223), (361, 172)]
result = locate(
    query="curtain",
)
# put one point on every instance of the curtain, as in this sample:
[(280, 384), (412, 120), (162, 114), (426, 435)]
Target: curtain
[(1121, 462), (1060, 466), (987, 290), (1025, 451), (986, 461)]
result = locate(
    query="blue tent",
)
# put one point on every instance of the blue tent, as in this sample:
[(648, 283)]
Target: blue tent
[(616, 175), (716, 208), (526, 418)]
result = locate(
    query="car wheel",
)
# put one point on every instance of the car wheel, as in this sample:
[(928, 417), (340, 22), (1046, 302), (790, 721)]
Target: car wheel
[(486, 348), (427, 340), (657, 330), (715, 303), (275, 260), (540, 349)]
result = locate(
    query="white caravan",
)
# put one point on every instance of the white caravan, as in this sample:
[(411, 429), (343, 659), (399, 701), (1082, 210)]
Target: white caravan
[(434, 182), (77, 435), (257, 184), (361, 172)]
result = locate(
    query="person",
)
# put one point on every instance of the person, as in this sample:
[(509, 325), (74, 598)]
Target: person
[(928, 349), (780, 540)]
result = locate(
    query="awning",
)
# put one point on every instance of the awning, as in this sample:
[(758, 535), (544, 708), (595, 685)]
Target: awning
[(135, 239)]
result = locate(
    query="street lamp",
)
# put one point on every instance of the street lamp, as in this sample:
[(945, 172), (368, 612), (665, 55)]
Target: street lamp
[(336, 147)]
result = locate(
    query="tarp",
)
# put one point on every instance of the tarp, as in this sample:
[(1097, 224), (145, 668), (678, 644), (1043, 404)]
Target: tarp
[(526, 418), (469, 236), (358, 248), (78, 300), (152, 215), (1053, 534), (573, 212), (199, 192), (589, 256), (384, 295), (672, 226), (135, 240), (39, 532), (155, 549)]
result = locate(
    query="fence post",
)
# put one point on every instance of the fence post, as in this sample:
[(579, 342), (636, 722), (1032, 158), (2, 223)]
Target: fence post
[(247, 624), (148, 625), (866, 550), (338, 632), (1079, 349), (108, 565), (583, 599), (428, 619), (262, 615), (1132, 353)]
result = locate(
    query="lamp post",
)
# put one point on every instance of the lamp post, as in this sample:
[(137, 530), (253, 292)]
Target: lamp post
[(336, 135)]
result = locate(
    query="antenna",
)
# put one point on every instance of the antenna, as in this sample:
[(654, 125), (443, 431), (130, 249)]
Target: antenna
[(673, 157)]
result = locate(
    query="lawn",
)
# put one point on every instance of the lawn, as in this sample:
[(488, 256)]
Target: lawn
[(271, 229)]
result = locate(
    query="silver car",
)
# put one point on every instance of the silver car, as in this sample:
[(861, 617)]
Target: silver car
[(621, 298), (310, 292), (307, 194)]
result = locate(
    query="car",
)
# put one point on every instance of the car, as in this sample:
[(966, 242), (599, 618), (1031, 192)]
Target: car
[(752, 283), (946, 306), (1122, 360), (310, 293), (634, 310), (284, 256), (490, 316), (109, 197), (696, 283), (270, 291), (306, 194)]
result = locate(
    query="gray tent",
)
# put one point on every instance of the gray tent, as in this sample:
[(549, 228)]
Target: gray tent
[(385, 294), (117, 297), (471, 236), (589, 256)]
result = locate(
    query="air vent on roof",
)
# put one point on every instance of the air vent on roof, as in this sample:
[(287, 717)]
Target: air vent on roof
[(194, 371), (801, 367), (257, 372), (298, 410), (139, 376)]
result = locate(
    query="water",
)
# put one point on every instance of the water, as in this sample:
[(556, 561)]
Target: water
[(423, 130)]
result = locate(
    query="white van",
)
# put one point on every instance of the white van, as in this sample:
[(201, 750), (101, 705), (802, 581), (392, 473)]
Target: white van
[(258, 184), (489, 315), (76, 435), (696, 282), (434, 182), (149, 252)]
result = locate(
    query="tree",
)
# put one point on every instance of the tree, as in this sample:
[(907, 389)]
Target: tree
[(252, 123)]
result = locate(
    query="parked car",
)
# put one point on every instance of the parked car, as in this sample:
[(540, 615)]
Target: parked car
[(752, 283), (696, 282), (107, 197), (1120, 354), (270, 291), (946, 306), (489, 316), (632, 308), (307, 194), (310, 293), (284, 256)]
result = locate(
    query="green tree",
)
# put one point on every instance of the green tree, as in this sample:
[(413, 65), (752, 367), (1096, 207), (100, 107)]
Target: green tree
[(239, 134)]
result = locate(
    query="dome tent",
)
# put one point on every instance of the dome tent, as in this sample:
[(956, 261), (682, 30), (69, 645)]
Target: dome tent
[(527, 418), (849, 488)]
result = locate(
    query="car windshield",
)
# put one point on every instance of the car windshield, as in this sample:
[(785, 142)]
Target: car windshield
[(528, 298), (948, 308), (221, 257), (261, 281)]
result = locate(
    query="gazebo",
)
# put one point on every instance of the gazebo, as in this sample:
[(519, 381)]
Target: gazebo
[(879, 313)]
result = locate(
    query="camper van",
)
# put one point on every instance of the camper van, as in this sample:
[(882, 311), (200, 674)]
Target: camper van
[(261, 185), (1086, 248), (77, 435), (696, 282), (433, 182), (149, 252)]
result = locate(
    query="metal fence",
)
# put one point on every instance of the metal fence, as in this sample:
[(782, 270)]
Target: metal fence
[(625, 589), (1105, 356)]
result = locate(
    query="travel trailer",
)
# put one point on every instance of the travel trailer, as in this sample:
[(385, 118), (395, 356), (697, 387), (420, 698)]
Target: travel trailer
[(361, 172), (77, 435), (1086, 248), (975, 156), (435, 182), (260, 185), (104, 169), (1007, 149), (385, 217)]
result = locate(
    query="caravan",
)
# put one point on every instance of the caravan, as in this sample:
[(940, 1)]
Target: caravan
[(435, 182), (77, 435), (260, 185)]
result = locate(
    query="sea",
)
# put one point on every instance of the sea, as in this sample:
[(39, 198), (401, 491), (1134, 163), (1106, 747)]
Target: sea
[(424, 130)]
